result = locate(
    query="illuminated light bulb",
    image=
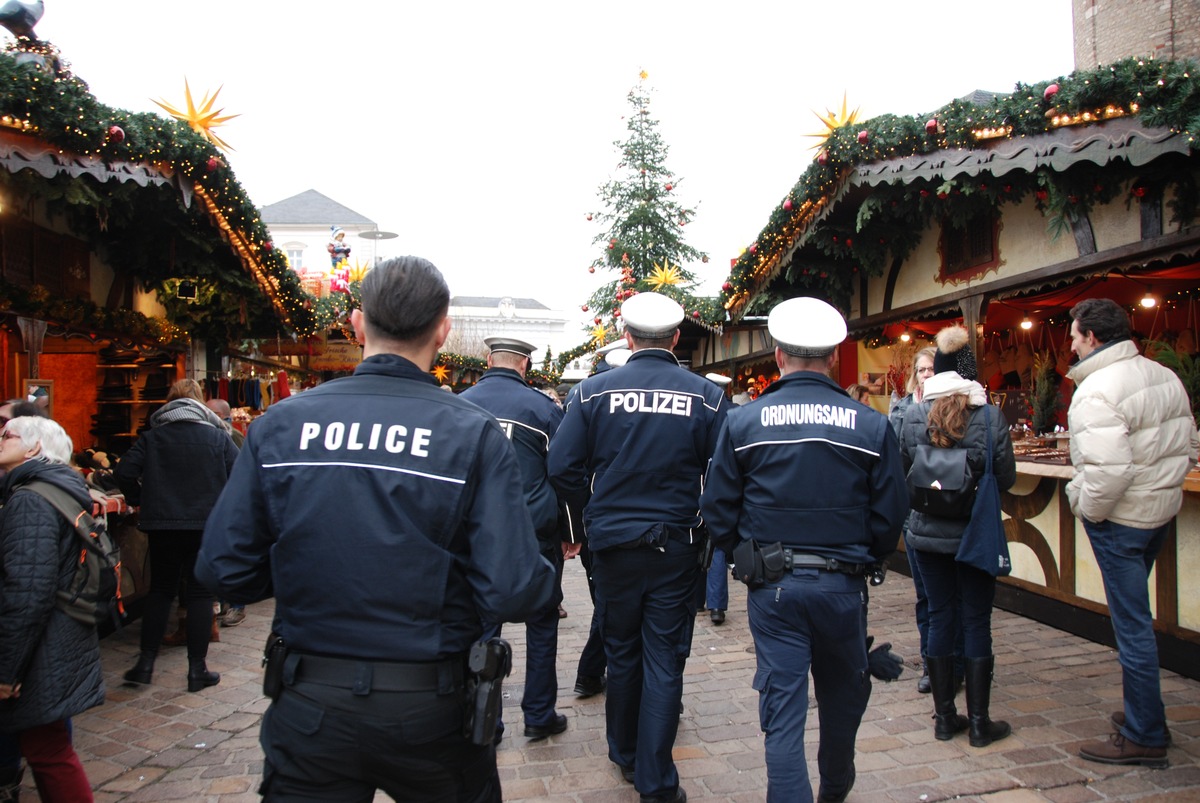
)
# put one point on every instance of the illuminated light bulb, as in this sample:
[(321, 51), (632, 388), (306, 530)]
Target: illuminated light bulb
[(1148, 301), (1026, 324), (904, 338)]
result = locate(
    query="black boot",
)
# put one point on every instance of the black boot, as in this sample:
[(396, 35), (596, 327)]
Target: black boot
[(143, 669), (979, 694), (199, 677), (923, 686), (10, 785), (947, 720)]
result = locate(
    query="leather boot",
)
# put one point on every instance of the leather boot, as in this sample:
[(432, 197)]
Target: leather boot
[(947, 721), (143, 669), (979, 694), (199, 677), (923, 686)]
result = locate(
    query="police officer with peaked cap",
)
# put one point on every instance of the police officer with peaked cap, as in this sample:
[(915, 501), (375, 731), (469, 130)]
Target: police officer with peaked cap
[(714, 594), (530, 418), (639, 438), (379, 511), (811, 482)]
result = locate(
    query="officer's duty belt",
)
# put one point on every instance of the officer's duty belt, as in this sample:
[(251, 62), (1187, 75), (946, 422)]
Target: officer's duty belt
[(798, 560), (365, 676)]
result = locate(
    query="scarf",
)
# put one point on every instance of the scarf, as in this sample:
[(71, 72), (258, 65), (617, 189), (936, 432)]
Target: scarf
[(185, 409)]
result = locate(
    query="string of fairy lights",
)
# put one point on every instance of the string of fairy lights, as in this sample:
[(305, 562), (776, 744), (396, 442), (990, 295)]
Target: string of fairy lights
[(1160, 93)]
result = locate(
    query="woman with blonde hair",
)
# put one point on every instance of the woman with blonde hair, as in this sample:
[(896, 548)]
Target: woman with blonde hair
[(954, 414), (175, 472)]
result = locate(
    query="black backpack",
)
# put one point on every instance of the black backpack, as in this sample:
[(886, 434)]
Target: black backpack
[(94, 594)]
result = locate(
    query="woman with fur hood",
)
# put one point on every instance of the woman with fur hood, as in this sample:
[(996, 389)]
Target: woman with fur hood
[(175, 472), (951, 415)]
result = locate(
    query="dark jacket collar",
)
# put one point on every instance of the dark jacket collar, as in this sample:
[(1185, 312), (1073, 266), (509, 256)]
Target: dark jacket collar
[(802, 378), (393, 365), (666, 355), (503, 373)]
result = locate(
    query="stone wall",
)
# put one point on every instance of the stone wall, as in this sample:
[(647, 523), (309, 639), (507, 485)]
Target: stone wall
[(1108, 30)]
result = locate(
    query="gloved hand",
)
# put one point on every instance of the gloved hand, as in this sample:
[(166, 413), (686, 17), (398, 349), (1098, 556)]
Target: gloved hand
[(882, 662)]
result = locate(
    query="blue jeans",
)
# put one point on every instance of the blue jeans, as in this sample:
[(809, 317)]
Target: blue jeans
[(716, 597), (1125, 556), (818, 619), (960, 596)]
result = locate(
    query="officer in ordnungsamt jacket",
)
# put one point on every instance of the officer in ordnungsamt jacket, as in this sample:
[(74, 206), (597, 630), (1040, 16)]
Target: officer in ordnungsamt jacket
[(806, 467)]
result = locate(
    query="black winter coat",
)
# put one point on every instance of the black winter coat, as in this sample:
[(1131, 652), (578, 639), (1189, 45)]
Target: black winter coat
[(55, 658), (175, 472), (933, 533)]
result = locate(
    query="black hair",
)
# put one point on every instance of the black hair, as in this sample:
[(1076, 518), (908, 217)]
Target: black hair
[(404, 298), (1103, 317)]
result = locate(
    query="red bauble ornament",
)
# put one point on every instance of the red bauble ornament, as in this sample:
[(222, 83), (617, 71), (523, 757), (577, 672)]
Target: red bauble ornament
[(727, 286), (616, 313), (670, 187), (754, 248), (924, 193), (597, 320), (212, 164), (787, 205), (589, 215), (823, 158), (116, 133), (863, 137), (849, 243), (1050, 92), (584, 308), (1042, 195), (592, 269), (695, 313), (268, 245), (931, 126)]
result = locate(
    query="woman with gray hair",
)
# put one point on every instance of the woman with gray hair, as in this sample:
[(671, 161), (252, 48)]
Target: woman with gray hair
[(49, 662), (175, 472)]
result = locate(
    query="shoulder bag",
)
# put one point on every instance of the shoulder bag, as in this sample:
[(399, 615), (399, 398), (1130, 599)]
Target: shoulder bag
[(984, 544)]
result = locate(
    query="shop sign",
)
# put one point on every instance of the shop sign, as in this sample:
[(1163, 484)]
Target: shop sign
[(335, 355)]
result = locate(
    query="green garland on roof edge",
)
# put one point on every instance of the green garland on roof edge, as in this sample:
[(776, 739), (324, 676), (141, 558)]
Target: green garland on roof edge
[(1167, 94), (67, 116)]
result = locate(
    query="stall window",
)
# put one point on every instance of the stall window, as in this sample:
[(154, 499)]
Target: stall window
[(969, 250)]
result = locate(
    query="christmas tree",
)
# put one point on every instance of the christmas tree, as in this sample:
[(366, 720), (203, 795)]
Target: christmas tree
[(642, 237)]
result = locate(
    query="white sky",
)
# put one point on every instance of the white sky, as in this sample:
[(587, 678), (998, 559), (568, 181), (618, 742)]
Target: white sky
[(480, 131)]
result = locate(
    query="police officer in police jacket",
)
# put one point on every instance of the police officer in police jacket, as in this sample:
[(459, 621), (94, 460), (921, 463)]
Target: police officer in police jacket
[(379, 511), (807, 468), (530, 419), (639, 438)]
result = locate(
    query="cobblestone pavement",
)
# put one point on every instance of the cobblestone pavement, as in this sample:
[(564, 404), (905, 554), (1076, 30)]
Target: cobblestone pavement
[(160, 743)]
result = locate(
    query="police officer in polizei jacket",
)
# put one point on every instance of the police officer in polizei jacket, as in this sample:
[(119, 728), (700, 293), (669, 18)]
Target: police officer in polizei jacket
[(806, 486), (379, 511), (530, 419), (639, 438)]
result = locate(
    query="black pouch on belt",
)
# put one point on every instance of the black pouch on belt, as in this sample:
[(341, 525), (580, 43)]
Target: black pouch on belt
[(754, 564), (774, 562), (272, 661)]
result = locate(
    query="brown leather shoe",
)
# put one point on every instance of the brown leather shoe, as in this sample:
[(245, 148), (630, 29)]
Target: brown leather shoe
[(1118, 721), (1119, 750)]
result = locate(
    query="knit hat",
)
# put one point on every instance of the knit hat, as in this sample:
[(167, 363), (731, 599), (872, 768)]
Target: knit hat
[(954, 353)]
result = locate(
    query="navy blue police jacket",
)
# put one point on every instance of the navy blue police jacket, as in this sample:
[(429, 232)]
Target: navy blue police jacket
[(638, 438), (378, 509), (530, 419), (807, 466)]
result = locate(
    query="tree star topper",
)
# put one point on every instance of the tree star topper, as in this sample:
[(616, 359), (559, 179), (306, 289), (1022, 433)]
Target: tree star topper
[(202, 119), (663, 275), (833, 122)]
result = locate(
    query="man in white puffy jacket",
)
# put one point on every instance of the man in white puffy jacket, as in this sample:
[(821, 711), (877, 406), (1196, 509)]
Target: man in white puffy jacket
[(1133, 440)]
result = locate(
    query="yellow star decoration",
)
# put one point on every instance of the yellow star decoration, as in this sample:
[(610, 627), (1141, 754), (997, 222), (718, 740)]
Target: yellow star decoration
[(643, 75), (441, 373), (202, 119), (358, 271), (599, 332), (663, 274), (833, 122)]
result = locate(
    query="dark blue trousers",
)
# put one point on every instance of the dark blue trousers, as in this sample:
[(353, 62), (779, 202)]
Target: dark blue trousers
[(649, 610), (592, 661), (810, 619)]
